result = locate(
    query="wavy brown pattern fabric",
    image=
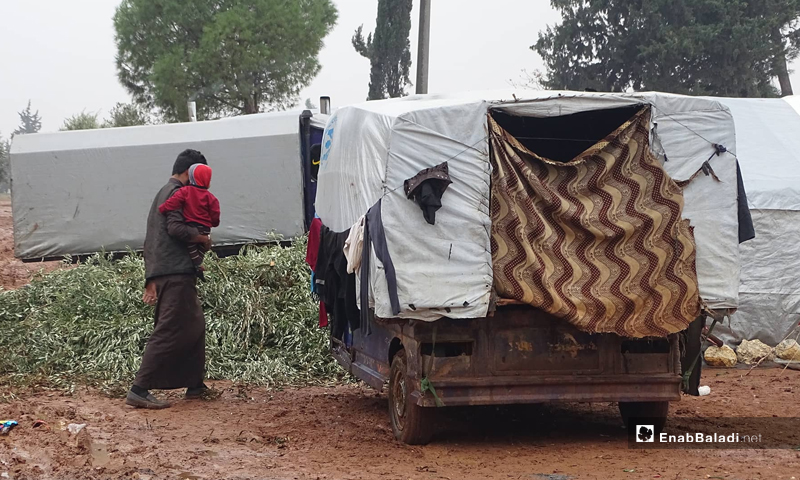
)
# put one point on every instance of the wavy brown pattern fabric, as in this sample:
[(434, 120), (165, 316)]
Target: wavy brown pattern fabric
[(598, 241)]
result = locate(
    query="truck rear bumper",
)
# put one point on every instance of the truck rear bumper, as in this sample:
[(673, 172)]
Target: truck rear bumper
[(520, 356), (504, 390)]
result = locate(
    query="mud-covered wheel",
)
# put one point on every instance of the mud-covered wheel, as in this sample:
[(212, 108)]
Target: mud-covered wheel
[(411, 423), (649, 413)]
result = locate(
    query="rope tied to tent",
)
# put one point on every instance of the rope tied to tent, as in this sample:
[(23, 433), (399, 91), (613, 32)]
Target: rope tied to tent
[(706, 168), (470, 147)]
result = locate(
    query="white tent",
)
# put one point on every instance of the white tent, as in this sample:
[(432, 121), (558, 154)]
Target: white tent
[(85, 191), (768, 148), (445, 269)]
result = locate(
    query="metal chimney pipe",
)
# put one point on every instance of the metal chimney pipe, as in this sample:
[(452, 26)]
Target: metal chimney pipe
[(192, 106), (325, 105)]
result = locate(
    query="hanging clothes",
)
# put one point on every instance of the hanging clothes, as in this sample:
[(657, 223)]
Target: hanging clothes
[(353, 247), (335, 287), (312, 250), (746, 229), (314, 233), (375, 237)]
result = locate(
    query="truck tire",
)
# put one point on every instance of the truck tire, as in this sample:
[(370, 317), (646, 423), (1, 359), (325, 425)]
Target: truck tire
[(411, 423), (654, 413)]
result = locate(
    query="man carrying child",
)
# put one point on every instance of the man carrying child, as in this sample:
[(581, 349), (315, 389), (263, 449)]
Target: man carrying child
[(175, 353)]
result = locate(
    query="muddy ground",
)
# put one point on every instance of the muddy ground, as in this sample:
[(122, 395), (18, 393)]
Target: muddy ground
[(344, 433)]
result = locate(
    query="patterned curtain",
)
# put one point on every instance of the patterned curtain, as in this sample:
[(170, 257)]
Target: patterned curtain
[(597, 241)]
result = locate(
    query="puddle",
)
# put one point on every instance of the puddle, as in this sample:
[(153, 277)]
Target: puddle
[(99, 453)]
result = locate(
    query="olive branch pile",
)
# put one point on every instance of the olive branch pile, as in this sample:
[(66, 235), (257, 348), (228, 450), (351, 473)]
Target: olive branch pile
[(88, 324)]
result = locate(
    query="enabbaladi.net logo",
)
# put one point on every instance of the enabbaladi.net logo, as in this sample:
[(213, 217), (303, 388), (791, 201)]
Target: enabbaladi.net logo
[(647, 434), (723, 433)]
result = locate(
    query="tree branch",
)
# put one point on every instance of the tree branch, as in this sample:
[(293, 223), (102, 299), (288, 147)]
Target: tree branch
[(225, 102)]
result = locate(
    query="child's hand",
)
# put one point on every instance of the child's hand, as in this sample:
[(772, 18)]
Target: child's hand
[(203, 240)]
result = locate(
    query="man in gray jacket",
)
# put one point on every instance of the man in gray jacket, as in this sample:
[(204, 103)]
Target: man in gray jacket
[(175, 353)]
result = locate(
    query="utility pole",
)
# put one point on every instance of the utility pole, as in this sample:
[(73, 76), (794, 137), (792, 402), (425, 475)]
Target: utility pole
[(423, 53)]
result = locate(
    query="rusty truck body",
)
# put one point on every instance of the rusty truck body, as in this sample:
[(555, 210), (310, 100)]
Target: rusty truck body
[(520, 355)]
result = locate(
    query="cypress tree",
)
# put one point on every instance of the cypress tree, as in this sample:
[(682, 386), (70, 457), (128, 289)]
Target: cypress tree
[(388, 50)]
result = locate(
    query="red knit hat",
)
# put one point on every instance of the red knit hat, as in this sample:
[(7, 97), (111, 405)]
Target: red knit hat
[(200, 175)]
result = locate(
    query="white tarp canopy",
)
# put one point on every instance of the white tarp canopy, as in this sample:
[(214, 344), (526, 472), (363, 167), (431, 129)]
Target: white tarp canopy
[(86, 191), (445, 269), (768, 148)]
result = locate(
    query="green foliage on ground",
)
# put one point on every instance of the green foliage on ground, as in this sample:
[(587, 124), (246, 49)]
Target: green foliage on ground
[(88, 325)]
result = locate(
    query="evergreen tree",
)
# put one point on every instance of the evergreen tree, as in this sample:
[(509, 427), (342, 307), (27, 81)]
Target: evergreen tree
[(389, 50), (5, 164), (126, 115), (230, 57), (81, 121), (29, 122), (702, 47)]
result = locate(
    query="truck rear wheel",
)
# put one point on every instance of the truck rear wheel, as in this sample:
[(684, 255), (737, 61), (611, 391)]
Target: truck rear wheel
[(411, 423), (652, 413)]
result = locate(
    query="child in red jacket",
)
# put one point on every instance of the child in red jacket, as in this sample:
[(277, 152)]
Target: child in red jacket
[(200, 209)]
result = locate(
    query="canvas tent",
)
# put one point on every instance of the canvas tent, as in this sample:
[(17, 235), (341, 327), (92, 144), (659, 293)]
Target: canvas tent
[(445, 269), (87, 191), (768, 148)]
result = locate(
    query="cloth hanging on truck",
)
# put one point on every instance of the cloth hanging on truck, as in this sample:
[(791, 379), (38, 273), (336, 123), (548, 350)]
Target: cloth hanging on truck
[(375, 236), (312, 250), (335, 287), (426, 189), (599, 240), (353, 247), (747, 231)]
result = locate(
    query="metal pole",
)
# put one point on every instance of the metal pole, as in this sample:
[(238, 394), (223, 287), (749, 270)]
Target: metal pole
[(423, 53), (192, 107)]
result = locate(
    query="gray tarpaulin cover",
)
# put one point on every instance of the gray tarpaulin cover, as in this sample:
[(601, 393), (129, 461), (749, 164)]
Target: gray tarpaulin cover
[(445, 269), (768, 148), (84, 191)]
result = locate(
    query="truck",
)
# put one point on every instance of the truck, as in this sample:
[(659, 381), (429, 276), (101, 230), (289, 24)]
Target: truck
[(79, 193), (439, 323)]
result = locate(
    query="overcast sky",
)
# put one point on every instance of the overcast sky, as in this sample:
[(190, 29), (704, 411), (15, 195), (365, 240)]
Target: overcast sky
[(60, 53)]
